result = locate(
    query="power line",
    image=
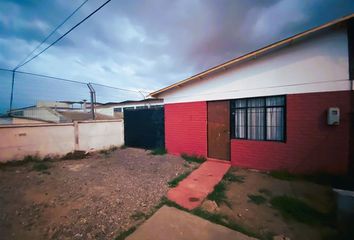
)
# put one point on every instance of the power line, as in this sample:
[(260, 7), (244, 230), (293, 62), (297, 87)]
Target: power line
[(69, 80), (61, 37), (45, 39), (123, 89)]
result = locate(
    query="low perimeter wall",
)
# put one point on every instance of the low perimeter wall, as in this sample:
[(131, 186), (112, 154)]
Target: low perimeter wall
[(18, 141)]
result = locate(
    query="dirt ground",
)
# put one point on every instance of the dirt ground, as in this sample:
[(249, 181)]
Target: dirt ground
[(93, 198), (263, 219)]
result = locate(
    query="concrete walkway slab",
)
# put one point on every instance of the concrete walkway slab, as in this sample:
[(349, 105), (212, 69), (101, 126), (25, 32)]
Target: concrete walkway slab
[(191, 191), (173, 224)]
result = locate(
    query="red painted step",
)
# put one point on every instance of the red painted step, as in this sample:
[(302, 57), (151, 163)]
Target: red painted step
[(191, 191)]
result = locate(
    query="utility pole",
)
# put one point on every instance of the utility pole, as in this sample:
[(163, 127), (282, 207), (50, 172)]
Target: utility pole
[(12, 91), (93, 99)]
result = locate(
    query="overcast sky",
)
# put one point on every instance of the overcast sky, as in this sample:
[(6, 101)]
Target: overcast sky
[(153, 43)]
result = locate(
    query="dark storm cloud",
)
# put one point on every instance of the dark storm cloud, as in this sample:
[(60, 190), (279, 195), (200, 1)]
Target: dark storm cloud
[(150, 44)]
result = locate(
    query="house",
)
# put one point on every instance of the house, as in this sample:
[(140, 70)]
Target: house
[(53, 112), (117, 109), (287, 106)]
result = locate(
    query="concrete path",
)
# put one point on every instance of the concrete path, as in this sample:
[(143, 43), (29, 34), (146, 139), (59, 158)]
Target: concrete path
[(191, 191), (173, 224)]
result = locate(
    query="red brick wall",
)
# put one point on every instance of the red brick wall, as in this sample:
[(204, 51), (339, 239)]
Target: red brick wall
[(186, 128), (311, 144)]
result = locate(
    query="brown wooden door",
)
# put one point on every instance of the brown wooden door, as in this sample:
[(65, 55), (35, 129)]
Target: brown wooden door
[(219, 130)]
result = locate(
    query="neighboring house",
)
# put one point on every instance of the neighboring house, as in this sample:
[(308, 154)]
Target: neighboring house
[(117, 109), (55, 112), (39, 112), (20, 120), (268, 109)]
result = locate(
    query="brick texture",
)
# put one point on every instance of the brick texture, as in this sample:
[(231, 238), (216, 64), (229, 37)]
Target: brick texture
[(311, 145), (186, 128)]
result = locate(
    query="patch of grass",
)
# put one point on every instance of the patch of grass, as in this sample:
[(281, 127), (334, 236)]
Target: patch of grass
[(230, 177), (337, 181), (108, 151), (265, 192), (138, 215), (126, 233), (158, 151), (40, 166), (31, 158), (75, 155), (193, 158), (219, 194), (24, 161), (293, 208), (257, 199), (283, 175), (174, 182)]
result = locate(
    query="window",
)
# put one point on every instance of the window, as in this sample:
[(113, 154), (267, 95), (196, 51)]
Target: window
[(117, 109), (156, 106), (259, 118), (128, 108), (141, 107)]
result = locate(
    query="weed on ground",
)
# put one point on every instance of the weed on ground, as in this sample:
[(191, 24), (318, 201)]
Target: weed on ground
[(265, 192), (138, 215), (293, 208), (219, 194), (108, 151), (75, 155), (193, 158), (257, 199), (158, 151), (174, 182), (40, 166), (283, 175), (24, 161), (231, 177)]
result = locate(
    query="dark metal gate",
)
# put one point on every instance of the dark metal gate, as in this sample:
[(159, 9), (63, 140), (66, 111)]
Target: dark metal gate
[(144, 128)]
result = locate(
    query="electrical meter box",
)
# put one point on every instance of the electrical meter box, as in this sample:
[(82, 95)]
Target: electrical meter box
[(333, 116)]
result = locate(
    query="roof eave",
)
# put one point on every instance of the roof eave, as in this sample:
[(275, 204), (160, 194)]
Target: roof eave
[(253, 54)]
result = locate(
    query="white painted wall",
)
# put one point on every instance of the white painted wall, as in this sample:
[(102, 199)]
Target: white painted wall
[(18, 141), (317, 64), (106, 111), (100, 134)]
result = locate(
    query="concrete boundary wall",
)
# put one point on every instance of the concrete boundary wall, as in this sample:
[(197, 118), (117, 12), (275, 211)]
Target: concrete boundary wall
[(20, 140)]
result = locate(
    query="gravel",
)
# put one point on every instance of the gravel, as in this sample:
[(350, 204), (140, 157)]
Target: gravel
[(93, 198)]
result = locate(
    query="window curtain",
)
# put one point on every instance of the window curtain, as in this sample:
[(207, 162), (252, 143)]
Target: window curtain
[(255, 119), (275, 118)]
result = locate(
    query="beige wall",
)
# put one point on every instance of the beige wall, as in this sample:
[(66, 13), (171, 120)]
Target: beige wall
[(100, 134), (18, 141)]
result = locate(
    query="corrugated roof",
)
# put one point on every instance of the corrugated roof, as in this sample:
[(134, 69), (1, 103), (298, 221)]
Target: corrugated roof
[(255, 53)]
